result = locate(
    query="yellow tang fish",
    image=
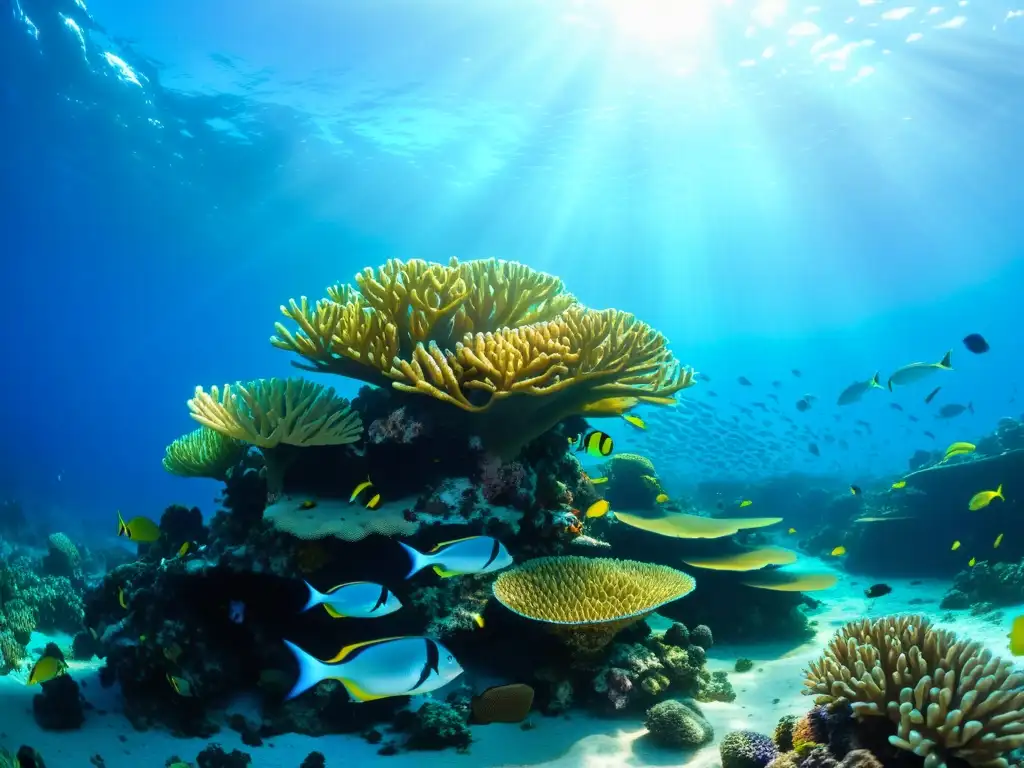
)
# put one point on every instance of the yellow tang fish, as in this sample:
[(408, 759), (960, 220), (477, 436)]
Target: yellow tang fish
[(746, 503), (972, 562), (599, 508), (661, 498), (1016, 636), (899, 484), (999, 540), (636, 421), (839, 551), (982, 499), (366, 493), (47, 668), (120, 598), (593, 443), (792, 531), (956, 546), (140, 529)]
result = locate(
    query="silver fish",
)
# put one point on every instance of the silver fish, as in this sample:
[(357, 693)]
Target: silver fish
[(856, 391), (914, 372)]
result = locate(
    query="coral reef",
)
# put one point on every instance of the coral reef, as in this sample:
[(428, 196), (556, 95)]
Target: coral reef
[(59, 706), (632, 482), (747, 749), (204, 452), (995, 583), (678, 724)]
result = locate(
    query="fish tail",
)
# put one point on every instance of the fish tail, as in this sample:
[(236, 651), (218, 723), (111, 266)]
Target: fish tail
[(875, 382), (999, 491), (311, 671), (419, 561), (315, 597), (945, 362)]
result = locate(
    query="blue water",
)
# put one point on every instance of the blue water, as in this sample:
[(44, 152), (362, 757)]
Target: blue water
[(773, 186)]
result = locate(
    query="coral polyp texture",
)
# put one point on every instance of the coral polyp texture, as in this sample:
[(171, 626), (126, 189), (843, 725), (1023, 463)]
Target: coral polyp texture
[(492, 338), (268, 412), (588, 600), (948, 697), (204, 452)]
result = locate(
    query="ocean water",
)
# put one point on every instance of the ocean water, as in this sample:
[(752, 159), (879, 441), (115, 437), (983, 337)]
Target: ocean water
[(798, 195)]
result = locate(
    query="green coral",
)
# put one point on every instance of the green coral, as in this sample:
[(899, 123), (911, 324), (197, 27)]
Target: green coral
[(12, 653), (21, 620), (715, 687), (783, 735), (56, 604), (204, 452), (743, 665), (632, 481), (678, 724)]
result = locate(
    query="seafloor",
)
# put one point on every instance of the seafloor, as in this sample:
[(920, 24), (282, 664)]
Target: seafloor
[(765, 694)]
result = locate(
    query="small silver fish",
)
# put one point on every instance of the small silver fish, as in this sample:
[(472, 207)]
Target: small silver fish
[(355, 600)]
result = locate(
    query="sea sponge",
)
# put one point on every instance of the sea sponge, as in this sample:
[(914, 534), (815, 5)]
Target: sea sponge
[(747, 749), (495, 339), (204, 452), (946, 696), (267, 412), (588, 600), (678, 724)]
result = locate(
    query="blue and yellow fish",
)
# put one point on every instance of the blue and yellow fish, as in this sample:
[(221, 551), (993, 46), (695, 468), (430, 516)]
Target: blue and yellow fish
[(474, 554)]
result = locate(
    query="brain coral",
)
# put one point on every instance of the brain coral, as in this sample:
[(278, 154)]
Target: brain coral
[(588, 600), (947, 697), (492, 338)]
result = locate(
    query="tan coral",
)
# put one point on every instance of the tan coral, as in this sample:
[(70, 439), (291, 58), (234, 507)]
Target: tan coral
[(338, 518), (203, 452), (268, 412), (588, 600), (947, 697)]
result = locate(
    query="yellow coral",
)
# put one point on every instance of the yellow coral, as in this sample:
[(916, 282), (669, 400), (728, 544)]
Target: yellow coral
[(948, 697), (495, 339), (588, 600), (203, 452), (267, 412)]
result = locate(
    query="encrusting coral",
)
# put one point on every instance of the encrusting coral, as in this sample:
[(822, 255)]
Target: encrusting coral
[(493, 338), (204, 452), (588, 600), (268, 412), (948, 697), (678, 724)]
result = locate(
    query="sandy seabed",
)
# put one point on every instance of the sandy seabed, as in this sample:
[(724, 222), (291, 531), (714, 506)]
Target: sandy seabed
[(766, 693)]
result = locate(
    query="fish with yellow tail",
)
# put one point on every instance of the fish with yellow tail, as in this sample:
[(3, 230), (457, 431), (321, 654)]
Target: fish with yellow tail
[(1016, 636), (355, 600), (982, 499), (461, 557), (45, 669), (959, 449), (365, 494), (594, 443), (379, 669), (914, 372), (857, 390), (139, 529)]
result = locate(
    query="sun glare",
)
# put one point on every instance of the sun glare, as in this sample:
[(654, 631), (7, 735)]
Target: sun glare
[(659, 22)]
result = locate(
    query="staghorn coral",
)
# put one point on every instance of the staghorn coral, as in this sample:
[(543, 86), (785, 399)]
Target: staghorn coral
[(495, 339), (268, 412), (204, 452), (947, 697), (588, 600), (678, 724)]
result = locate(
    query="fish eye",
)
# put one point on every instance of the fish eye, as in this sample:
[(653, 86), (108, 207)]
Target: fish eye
[(450, 657)]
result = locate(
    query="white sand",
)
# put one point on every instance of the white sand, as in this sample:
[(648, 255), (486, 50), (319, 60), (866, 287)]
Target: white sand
[(769, 691)]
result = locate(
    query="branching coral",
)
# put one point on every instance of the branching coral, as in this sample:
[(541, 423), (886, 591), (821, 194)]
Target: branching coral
[(267, 412), (204, 452), (493, 338), (948, 697), (588, 600)]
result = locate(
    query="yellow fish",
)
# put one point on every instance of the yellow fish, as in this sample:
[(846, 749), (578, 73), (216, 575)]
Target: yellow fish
[(999, 540), (594, 443), (746, 503), (982, 499), (956, 546), (599, 508), (661, 498), (140, 529), (47, 668), (1016, 636), (478, 620), (959, 449), (598, 480), (899, 484), (120, 598), (366, 494), (792, 531), (183, 549), (839, 551), (636, 421), (972, 562)]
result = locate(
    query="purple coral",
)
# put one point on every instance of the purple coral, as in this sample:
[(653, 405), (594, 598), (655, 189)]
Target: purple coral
[(619, 686), (747, 749), (396, 428), (498, 480)]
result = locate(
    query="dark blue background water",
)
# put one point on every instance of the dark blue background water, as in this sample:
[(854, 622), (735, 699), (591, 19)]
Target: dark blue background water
[(768, 197)]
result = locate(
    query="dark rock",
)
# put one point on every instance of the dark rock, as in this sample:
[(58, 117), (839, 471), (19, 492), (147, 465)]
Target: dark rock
[(59, 706), (215, 757), (250, 733), (314, 760)]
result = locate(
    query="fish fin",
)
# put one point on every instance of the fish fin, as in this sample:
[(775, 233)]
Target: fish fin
[(332, 590), (999, 491), (889, 383), (945, 362), (348, 650), (315, 598), (419, 560), (357, 693), (440, 544), (443, 573), (333, 612), (875, 382), (311, 670)]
